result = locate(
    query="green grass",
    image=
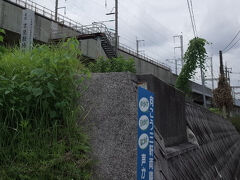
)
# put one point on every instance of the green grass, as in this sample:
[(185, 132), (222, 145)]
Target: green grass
[(39, 135)]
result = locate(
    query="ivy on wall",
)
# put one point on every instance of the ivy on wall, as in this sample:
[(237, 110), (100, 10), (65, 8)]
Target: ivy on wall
[(194, 57)]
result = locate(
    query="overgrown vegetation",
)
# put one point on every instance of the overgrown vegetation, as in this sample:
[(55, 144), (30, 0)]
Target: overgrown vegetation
[(236, 122), (39, 136), (112, 65), (194, 58), (222, 96)]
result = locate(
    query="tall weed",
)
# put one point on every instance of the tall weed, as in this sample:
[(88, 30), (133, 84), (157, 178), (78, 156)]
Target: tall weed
[(39, 136)]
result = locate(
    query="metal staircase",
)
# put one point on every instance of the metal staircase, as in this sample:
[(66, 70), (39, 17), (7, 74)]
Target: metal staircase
[(107, 40), (107, 47)]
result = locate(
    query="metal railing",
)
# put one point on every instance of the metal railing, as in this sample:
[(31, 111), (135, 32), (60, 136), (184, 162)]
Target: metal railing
[(144, 57), (83, 29)]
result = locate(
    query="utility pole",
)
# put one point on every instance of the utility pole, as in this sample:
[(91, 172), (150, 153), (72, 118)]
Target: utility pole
[(228, 71), (203, 88), (221, 63), (116, 43), (56, 10), (175, 62), (211, 59), (181, 40), (116, 27), (176, 66), (137, 45), (180, 47)]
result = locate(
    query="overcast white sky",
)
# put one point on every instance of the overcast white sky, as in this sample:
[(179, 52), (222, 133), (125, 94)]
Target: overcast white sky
[(157, 22)]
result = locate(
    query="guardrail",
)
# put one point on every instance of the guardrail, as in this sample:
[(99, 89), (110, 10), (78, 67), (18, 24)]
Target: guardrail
[(144, 57), (82, 29)]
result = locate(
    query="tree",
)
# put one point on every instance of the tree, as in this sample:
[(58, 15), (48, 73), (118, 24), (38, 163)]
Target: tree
[(194, 57)]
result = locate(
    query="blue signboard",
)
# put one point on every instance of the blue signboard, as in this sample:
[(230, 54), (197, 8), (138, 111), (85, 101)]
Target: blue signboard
[(145, 164)]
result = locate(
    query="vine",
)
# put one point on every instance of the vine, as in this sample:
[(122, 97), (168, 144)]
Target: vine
[(194, 57), (222, 97)]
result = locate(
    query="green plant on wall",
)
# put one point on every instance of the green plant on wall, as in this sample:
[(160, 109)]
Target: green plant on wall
[(194, 57), (112, 65)]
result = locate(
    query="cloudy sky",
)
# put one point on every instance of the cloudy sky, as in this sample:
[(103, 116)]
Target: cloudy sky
[(156, 22)]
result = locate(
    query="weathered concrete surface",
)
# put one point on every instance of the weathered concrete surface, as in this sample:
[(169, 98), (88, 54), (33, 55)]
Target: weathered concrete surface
[(112, 122), (216, 157), (145, 67), (169, 110), (112, 101)]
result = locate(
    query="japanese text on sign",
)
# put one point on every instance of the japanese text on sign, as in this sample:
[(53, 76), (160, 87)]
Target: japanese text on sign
[(145, 166), (27, 29)]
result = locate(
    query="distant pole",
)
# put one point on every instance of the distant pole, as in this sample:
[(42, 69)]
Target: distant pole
[(56, 10), (181, 39), (180, 47), (212, 73), (203, 88), (116, 27), (221, 63), (176, 66), (137, 45), (226, 72)]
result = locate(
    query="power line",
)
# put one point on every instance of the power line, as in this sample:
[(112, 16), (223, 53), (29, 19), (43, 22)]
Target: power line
[(191, 17), (232, 46), (232, 41)]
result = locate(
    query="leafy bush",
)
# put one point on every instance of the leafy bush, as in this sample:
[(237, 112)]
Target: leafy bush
[(236, 122), (112, 65), (39, 136)]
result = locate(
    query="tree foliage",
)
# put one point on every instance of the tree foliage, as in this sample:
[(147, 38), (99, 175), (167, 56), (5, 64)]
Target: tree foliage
[(194, 57)]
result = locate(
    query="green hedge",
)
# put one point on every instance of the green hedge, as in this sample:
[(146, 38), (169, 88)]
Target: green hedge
[(39, 136)]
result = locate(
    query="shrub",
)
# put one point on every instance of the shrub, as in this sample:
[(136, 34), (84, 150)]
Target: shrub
[(39, 136), (112, 65)]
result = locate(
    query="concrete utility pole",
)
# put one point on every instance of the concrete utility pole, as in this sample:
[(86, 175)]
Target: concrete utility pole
[(203, 88), (228, 71), (181, 40), (221, 63), (116, 27), (180, 47), (56, 10), (175, 62), (137, 45), (211, 59)]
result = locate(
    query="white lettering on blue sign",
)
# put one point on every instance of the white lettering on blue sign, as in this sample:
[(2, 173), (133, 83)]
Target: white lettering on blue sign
[(145, 166)]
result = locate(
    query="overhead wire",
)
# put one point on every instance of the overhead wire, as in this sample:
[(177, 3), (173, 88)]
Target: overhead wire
[(232, 46), (191, 17), (194, 22), (231, 41)]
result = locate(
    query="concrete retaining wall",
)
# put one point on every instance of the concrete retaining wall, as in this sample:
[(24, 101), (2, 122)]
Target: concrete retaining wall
[(111, 100)]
